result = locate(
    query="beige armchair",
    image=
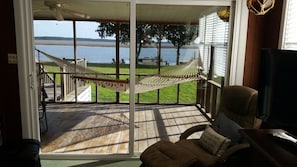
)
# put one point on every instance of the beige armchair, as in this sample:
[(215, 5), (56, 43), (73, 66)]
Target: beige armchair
[(218, 142)]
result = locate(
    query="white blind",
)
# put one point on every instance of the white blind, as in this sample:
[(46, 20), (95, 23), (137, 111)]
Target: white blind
[(290, 27), (220, 39), (203, 47), (209, 28), (213, 31)]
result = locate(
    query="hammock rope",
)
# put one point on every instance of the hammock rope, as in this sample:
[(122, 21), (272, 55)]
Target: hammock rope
[(180, 74)]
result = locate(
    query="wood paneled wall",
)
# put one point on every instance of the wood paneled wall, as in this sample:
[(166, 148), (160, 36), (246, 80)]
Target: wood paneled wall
[(263, 32), (10, 101)]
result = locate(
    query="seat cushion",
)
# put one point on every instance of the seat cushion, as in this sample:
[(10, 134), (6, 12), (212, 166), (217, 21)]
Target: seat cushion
[(167, 154), (204, 158)]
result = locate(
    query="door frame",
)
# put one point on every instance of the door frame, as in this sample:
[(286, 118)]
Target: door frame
[(28, 77)]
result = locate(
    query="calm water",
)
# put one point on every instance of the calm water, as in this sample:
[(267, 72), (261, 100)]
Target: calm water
[(105, 54)]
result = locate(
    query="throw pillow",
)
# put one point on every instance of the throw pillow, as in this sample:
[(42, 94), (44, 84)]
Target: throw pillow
[(214, 142), (227, 128)]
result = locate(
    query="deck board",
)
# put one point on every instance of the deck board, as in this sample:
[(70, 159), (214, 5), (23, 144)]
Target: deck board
[(104, 129)]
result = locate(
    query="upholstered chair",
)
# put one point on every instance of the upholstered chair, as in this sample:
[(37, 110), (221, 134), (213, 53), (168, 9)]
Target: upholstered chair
[(219, 140)]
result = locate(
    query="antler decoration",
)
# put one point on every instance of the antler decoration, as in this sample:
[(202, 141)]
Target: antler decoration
[(260, 7)]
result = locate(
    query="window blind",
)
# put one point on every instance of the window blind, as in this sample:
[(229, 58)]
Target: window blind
[(214, 32), (290, 27)]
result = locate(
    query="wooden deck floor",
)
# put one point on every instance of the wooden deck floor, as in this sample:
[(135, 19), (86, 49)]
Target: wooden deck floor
[(104, 129)]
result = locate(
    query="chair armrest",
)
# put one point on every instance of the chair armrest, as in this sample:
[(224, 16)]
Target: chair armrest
[(232, 150), (192, 130)]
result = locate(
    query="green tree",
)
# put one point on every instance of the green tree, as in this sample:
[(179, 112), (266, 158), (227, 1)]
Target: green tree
[(142, 38), (180, 35), (109, 29), (156, 31)]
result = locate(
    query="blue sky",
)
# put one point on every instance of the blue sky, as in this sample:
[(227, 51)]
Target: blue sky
[(65, 29), (84, 29)]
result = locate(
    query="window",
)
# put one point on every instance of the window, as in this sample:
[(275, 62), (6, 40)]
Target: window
[(214, 32), (289, 40)]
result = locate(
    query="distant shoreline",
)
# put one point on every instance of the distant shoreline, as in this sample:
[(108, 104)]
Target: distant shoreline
[(70, 43), (95, 43)]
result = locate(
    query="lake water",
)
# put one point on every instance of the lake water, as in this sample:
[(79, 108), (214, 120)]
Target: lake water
[(104, 54)]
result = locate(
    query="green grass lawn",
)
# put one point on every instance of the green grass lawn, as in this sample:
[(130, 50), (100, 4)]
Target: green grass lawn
[(187, 90)]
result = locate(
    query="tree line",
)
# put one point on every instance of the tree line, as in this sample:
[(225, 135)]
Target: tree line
[(146, 34)]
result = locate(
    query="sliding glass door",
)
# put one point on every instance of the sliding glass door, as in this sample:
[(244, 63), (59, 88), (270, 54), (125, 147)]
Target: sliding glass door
[(173, 49), (131, 48), (87, 61)]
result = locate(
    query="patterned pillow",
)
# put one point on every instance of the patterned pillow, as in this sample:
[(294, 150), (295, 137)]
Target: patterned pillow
[(214, 142), (227, 128)]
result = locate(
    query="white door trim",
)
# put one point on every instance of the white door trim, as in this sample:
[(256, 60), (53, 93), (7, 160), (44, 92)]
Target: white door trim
[(26, 69), (239, 43)]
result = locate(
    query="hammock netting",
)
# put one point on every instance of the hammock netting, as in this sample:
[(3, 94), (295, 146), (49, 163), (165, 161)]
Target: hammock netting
[(179, 74)]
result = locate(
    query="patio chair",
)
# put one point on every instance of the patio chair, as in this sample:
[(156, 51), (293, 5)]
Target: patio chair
[(219, 140), (43, 116)]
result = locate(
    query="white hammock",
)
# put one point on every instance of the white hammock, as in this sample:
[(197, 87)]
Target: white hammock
[(180, 74)]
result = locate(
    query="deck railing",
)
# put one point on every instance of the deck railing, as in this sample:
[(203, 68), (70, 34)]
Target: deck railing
[(68, 84), (209, 97)]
